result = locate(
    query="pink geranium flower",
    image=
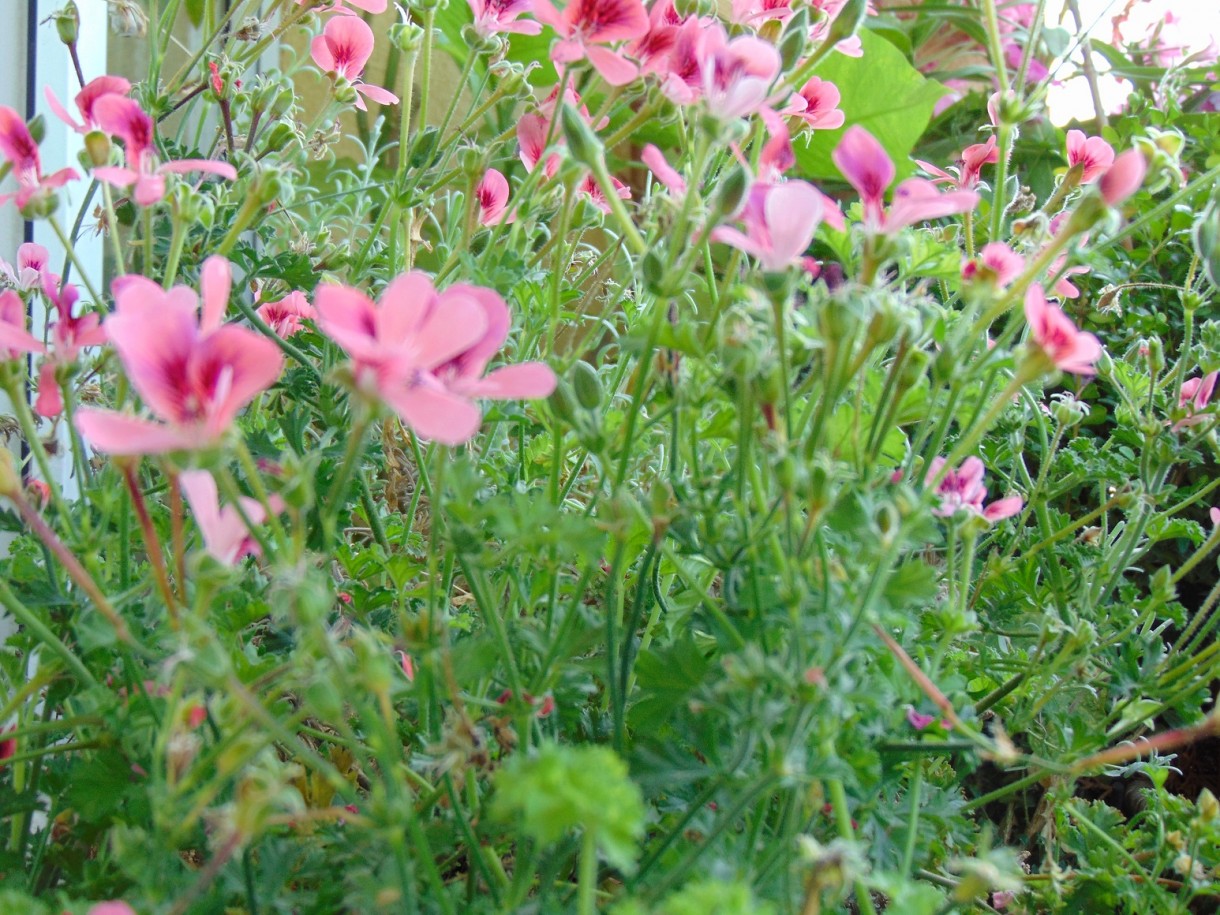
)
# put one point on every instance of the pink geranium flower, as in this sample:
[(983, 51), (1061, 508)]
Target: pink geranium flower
[(963, 490), (123, 118), (225, 535), (1195, 396), (1093, 154), (756, 12), (779, 221), (664, 172), (496, 17), (532, 130), (1053, 332), (15, 339), (869, 169), (368, 6), (1124, 177), (85, 100), (192, 373), (344, 48), (737, 73), (589, 187), (654, 47), (285, 316), (18, 146), (32, 260), (492, 195), (587, 27), (69, 335), (113, 907), (423, 353), (997, 263), (821, 105), (968, 172)]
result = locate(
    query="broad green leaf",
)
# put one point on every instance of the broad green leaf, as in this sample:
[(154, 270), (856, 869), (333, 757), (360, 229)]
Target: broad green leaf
[(882, 93)]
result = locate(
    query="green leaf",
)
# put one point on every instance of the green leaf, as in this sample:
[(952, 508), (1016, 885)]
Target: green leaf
[(882, 93)]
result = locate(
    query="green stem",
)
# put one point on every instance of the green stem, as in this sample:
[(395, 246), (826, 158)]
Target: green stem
[(587, 886), (43, 633)]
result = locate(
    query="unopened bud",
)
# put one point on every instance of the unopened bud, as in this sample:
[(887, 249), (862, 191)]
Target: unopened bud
[(97, 147), (582, 141), (795, 40), (730, 194), (1206, 235), (562, 402), (406, 36), (847, 22), (586, 385), (67, 23)]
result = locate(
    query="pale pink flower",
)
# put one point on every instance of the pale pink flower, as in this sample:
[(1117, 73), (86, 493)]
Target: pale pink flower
[(192, 373), (997, 263), (32, 260), (1093, 154), (491, 193), (654, 47), (344, 48), (779, 221), (683, 68), (1053, 332), (1214, 514), (225, 535), (756, 12), (1195, 396), (15, 339), (587, 27), (821, 111), (532, 130), (869, 169), (963, 490), (593, 190), (423, 353), (69, 335), (85, 100), (18, 146), (737, 73), (1124, 177), (285, 316), (665, 173), (123, 118), (496, 17), (336, 6), (113, 907)]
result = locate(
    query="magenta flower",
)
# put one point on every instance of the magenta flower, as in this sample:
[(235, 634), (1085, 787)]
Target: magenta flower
[(123, 118), (779, 221), (192, 373), (997, 263), (869, 169), (1053, 332), (963, 490), (18, 146), (586, 27), (1093, 154), (821, 105), (85, 100), (225, 535), (496, 17), (32, 260), (344, 48), (654, 47), (69, 334), (492, 195), (968, 172), (683, 69), (285, 316), (1123, 178), (1195, 396), (423, 353)]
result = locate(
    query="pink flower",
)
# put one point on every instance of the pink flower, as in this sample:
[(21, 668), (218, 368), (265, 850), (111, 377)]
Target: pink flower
[(963, 490), (821, 111), (1195, 396), (15, 340), (113, 907), (344, 48), (737, 73), (597, 196), (997, 263), (193, 374), (69, 334), (586, 27), (756, 12), (1093, 154), (969, 169), (408, 665), (1214, 514), (654, 47), (495, 17), (665, 173), (532, 130), (779, 221), (225, 535), (1053, 332), (869, 169), (1124, 177), (124, 119), (85, 100), (683, 69), (18, 146), (921, 722), (492, 196), (369, 6), (8, 746), (777, 155), (424, 352), (285, 316), (32, 260)]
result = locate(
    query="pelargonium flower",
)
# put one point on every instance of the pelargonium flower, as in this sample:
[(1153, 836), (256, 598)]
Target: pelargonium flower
[(193, 373), (590, 188), (344, 48), (587, 27), (1054, 334), (85, 100), (18, 146), (997, 263), (755, 13), (423, 352), (737, 73), (123, 118), (15, 339), (1093, 154), (869, 169), (779, 221), (1195, 396), (653, 48), (968, 172), (225, 535), (664, 172), (32, 260), (337, 6), (497, 17), (963, 490), (69, 335), (821, 105), (532, 129), (1124, 177), (285, 315), (491, 193)]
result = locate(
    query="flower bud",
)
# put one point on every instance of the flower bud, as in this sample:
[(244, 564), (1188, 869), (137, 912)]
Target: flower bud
[(795, 39), (67, 22), (582, 141), (406, 36), (278, 137), (730, 194), (41, 206), (847, 22), (97, 147), (1156, 354), (345, 92), (586, 385), (1206, 235), (563, 403)]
